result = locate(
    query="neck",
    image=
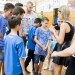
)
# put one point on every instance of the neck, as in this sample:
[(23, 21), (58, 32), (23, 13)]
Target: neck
[(14, 31), (35, 25), (28, 12), (44, 28), (4, 15)]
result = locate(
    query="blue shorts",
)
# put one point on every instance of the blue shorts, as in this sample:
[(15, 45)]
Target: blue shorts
[(1, 54), (38, 57)]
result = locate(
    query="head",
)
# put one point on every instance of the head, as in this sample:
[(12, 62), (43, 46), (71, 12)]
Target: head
[(41, 12), (18, 11), (44, 22), (37, 22), (8, 9), (15, 22), (64, 12), (18, 5), (29, 6), (60, 21)]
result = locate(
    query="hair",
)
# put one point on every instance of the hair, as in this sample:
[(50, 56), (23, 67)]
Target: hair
[(45, 19), (8, 6), (18, 10), (30, 3), (18, 4), (13, 21), (37, 20), (65, 11)]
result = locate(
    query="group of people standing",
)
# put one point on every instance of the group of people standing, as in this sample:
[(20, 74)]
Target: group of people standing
[(18, 26)]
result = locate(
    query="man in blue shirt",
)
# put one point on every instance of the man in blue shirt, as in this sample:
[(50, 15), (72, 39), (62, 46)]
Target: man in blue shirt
[(14, 52), (31, 43), (8, 8)]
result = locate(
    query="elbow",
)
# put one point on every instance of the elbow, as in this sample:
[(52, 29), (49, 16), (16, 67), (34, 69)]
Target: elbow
[(72, 52), (60, 42)]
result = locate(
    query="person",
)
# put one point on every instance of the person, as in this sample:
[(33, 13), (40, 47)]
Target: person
[(28, 19), (40, 15), (70, 51), (42, 39), (57, 27), (31, 44), (8, 8), (14, 52), (19, 5), (18, 11), (64, 38)]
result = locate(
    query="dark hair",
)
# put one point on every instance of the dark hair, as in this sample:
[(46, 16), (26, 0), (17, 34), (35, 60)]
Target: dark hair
[(18, 10), (45, 18), (18, 4), (37, 20), (8, 6), (13, 21)]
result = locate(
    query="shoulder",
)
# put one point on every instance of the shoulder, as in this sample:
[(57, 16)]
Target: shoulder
[(34, 14), (1, 17)]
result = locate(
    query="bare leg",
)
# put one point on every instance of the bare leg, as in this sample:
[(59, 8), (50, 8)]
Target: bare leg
[(40, 66), (36, 67), (2, 68), (57, 69)]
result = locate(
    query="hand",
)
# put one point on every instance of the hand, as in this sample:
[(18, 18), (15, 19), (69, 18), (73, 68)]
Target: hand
[(48, 56), (52, 29), (44, 48), (54, 54), (24, 73), (0, 34)]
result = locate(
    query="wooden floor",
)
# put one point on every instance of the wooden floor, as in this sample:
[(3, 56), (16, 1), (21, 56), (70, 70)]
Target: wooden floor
[(44, 72)]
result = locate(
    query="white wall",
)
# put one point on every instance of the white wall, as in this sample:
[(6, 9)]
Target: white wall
[(44, 6)]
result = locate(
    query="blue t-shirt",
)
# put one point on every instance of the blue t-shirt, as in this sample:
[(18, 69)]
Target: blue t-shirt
[(31, 43), (3, 27), (13, 51), (53, 44), (43, 37)]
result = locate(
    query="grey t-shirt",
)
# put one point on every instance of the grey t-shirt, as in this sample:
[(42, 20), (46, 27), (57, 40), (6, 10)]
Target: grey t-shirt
[(28, 21)]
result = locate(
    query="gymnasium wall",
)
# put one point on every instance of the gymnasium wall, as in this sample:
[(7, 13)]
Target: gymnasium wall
[(47, 7)]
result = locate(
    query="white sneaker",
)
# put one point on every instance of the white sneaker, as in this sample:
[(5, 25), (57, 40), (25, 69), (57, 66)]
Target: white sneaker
[(65, 68), (46, 67)]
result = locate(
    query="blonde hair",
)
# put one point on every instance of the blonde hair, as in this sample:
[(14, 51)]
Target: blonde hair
[(65, 11)]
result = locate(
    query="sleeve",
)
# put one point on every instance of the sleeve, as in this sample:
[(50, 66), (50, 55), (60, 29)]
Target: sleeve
[(35, 15), (21, 50), (37, 32), (49, 35), (33, 33)]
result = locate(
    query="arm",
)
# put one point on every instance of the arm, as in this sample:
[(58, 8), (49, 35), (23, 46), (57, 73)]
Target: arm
[(22, 65), (37, 42), (66, 52), (48, 43), (60, 38)]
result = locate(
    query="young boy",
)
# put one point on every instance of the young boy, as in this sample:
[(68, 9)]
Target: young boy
[(42, 38), (14, 52), (8, 8), (31, 43)]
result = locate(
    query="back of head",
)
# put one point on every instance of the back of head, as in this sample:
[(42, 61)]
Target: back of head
[(18, 10), (8, 6), (44, 19), (13, 21), (65, 11), (37, 20), (18, 4)]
